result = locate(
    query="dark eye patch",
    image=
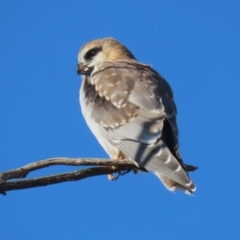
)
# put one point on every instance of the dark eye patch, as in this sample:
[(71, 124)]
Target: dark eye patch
[(91, 53)]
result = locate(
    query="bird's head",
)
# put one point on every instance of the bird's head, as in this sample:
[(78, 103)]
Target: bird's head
[(101, 50)]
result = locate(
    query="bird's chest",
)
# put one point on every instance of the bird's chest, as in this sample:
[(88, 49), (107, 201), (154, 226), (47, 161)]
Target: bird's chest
[(87, 98), (92, 111), (91, 103)]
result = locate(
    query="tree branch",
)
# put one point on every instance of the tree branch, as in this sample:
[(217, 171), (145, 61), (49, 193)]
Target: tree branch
[(104, 166)]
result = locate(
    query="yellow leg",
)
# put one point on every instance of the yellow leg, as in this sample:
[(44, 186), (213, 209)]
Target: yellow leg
[(117, 156)]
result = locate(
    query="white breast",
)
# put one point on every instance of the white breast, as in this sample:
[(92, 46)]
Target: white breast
[(94, 127)]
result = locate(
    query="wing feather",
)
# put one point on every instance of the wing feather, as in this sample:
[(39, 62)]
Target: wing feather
[(135, 111)]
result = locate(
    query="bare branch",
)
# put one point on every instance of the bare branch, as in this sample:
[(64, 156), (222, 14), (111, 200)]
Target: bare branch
[(105, 166)]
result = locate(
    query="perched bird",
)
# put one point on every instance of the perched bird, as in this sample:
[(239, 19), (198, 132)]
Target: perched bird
[(129, 107)]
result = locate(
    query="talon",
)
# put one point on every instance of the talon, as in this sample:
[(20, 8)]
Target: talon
[(111, 177), (135, 171), (123, 172)]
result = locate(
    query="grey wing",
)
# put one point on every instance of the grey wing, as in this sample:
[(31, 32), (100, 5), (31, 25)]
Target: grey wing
[(141, 102)]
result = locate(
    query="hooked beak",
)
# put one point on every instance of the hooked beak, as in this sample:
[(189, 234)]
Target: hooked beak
[(84, 69), (79, 67)]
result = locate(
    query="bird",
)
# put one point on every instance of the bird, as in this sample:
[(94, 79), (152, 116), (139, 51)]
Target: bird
[(130, 109)]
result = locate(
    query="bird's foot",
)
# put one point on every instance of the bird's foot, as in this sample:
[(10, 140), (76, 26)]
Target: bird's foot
[(111, 177)]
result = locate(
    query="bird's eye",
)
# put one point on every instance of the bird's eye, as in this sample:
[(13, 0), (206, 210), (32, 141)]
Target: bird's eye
[(92, 53)]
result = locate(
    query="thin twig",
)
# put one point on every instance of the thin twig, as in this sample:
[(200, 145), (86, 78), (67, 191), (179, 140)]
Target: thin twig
[(106, 167)]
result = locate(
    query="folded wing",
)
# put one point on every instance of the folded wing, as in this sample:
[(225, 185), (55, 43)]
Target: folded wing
[(135, 110)]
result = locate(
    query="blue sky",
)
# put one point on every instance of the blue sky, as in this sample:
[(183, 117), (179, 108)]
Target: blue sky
[(195, 45)]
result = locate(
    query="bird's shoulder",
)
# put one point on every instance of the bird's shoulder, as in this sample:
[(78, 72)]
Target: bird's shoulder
[(123, 81)]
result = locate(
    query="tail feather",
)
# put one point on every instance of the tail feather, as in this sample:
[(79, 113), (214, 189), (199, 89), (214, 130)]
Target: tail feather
[(157, 158), (190, 168)]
